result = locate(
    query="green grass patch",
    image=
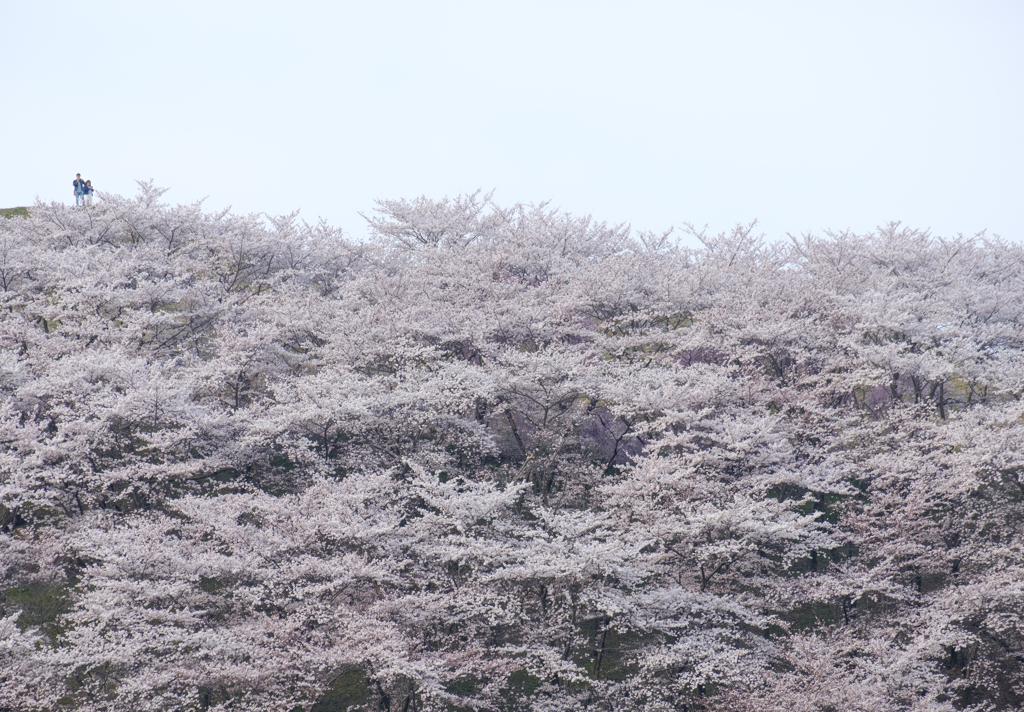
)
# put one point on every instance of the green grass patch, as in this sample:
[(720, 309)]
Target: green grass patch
[(347, 692), (41, 606), (11, 212), (516, 695)]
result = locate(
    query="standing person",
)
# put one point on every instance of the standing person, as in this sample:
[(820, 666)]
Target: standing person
[(88, 192), (79, 185)]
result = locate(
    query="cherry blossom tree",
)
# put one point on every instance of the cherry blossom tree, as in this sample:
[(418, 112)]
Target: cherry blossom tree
[(505, 458)]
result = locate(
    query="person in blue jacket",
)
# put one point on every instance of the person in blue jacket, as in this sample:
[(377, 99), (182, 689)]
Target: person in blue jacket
[(88, 192), (80, 192)]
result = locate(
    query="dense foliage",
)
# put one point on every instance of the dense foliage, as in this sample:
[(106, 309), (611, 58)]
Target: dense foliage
[(505, 459)]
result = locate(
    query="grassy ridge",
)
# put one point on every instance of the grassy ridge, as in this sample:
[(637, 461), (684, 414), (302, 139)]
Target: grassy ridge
[(11, 212)]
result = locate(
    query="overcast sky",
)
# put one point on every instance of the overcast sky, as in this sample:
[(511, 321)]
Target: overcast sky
[(803, 115)]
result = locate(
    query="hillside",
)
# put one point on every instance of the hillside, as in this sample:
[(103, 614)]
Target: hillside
[(11, 212), (505, 458)]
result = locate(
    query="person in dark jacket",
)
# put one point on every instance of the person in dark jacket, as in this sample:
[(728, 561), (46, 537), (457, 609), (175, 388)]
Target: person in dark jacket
[(79, 185)]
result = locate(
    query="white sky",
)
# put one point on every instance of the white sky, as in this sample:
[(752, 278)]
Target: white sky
[(804, 115)]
